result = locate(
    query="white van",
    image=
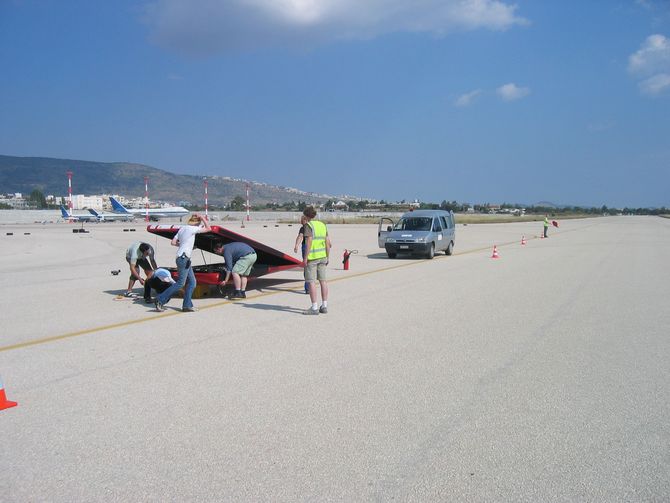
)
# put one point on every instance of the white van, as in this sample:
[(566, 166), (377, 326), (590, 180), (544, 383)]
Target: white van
[(420, 232)]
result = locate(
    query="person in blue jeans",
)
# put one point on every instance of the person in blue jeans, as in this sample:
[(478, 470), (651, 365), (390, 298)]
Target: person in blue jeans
[(185, 241)]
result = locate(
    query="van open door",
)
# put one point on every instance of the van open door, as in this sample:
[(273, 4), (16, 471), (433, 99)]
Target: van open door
[(385, 226)]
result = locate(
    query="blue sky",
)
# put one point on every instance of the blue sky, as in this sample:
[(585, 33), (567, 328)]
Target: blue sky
[(468, 100)]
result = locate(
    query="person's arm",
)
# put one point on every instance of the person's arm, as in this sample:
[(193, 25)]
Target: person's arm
[(175, 239), (205, 227), (298, 242), (328, 246), (136, 272), (226, 278)]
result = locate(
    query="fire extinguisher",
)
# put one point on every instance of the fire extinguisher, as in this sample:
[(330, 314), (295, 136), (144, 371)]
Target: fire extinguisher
[(345, 258)]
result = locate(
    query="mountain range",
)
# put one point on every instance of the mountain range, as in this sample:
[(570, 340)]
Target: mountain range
[(25, 174)]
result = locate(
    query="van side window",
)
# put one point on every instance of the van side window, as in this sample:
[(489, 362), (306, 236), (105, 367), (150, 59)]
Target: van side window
[(445, 223), (436, 225)]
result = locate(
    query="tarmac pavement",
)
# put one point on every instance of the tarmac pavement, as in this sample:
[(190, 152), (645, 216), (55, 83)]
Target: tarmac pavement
[(539, 376)]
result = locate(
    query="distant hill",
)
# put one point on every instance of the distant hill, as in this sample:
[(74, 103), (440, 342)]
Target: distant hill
[(24, 174)]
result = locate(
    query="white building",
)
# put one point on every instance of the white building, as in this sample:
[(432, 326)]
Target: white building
[(81, 202)]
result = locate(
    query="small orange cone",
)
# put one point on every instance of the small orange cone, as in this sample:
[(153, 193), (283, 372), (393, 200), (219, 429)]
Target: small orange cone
[(523, 240), (4, 403), (495, 252)]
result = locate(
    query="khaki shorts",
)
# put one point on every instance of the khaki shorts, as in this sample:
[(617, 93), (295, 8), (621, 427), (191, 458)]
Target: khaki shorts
[(316, 269), (244, 264)]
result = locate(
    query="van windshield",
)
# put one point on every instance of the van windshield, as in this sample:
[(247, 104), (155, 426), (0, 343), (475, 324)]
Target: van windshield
[(413, 224)]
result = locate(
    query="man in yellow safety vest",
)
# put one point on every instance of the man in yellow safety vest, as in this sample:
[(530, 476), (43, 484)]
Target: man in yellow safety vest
[(318, 250)]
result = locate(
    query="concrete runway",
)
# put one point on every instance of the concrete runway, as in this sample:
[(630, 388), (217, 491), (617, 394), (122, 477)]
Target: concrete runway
[(540, 376)]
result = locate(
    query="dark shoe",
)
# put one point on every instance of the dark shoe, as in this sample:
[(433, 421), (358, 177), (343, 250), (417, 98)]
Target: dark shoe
[(323, 310), (310, 311), (236, 295), (130, 295), (243, 294), (159, 305), (149, 301), (189, 309)]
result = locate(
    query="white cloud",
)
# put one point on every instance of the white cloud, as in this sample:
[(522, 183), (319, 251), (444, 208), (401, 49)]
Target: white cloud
[(652, 62), (467, 99), (208, 26), (656, 84), (652, 57), (512, 92)]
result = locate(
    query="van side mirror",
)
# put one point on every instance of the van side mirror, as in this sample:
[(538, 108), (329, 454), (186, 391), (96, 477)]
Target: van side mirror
[(389, 228)]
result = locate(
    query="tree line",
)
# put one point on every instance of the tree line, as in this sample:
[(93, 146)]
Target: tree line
[(37, 200)]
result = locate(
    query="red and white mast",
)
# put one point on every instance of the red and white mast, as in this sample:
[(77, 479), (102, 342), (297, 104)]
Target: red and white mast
[(69, 190), (248, 205), (146, 198), (205, 196)]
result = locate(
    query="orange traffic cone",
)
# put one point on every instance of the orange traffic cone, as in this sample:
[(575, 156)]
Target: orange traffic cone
[(495, 252), (523, 240), (4, 403)]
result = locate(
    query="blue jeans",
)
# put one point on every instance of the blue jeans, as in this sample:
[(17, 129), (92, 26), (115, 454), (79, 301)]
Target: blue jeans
[(186, 277)]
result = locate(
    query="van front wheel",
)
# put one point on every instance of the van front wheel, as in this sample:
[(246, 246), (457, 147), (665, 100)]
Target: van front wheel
[(431, 251), (450, 248)]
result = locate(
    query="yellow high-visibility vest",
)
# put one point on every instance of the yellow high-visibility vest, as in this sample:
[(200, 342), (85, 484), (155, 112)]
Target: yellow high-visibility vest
[(318, 248)]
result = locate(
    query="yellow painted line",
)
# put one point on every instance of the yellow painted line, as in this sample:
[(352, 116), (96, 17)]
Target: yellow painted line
[(44, 340)]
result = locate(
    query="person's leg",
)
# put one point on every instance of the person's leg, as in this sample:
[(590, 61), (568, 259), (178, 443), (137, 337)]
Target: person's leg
[(190, 287), (243, 283), (237, 281), (164, 297), (131, 279), (304, 254), (324, 290), (321, 276), (312, 293), (147, 289), (310, 277)]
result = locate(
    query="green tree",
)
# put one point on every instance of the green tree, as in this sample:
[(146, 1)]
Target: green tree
[(37, 199), (238, 204)]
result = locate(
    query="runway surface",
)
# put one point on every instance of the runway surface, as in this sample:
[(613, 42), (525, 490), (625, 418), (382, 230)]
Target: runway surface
[(539, 376)]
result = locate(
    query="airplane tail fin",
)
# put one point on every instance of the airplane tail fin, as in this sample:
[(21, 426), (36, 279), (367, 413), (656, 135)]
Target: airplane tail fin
[(117, 206), (64, 212), (93, 212)]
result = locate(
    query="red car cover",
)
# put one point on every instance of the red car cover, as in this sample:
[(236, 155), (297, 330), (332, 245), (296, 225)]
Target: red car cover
[(269, 260)]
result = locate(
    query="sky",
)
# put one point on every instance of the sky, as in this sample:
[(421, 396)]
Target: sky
[(565, 101)]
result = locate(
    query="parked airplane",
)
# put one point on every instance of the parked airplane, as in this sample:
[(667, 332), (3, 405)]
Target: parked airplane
[(75, 218), (154, 213), (111, 217)]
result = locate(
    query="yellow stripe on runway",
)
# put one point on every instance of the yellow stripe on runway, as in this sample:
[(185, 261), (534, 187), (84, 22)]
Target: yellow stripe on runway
[(102, 328)]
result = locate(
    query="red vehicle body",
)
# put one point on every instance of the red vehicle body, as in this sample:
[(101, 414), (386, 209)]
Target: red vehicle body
[(269, 260)]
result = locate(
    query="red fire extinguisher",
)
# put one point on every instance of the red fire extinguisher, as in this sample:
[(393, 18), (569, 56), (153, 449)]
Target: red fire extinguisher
[(345, 258)]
